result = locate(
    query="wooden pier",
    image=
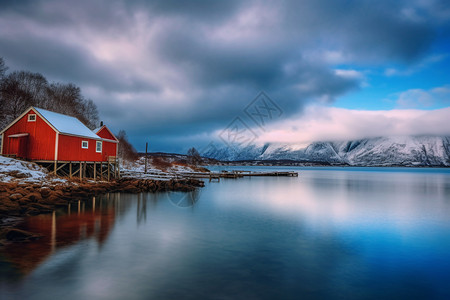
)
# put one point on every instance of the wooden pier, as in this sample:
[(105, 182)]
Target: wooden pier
[(237, 174), (277, 174)]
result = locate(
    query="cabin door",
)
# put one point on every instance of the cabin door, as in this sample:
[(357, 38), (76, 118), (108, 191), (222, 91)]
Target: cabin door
[(18, 146)]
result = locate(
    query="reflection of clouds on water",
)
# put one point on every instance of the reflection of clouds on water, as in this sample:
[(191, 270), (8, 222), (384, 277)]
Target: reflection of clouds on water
[(322, 235), (346, 198)]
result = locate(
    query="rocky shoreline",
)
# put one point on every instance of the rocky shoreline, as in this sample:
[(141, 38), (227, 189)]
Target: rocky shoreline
[(18, 200)]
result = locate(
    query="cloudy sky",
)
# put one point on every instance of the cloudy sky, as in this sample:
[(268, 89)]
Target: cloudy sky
[(178, 74)]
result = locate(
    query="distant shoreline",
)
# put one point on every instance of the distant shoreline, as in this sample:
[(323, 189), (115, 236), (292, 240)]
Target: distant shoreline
[(283, 162), (303, 164)]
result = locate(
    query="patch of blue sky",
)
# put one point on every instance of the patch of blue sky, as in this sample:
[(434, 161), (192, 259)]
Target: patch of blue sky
[(385, 86)]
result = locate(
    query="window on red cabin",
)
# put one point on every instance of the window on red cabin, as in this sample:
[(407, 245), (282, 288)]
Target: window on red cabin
[(31, 118), (84, 144), (98, 146)]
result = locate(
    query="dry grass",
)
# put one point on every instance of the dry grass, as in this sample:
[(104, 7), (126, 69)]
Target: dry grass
[(164, 164), (160, 163), (185, 164)]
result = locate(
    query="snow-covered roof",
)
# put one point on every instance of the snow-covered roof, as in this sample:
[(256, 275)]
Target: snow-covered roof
[(97, 130), (66, 124)]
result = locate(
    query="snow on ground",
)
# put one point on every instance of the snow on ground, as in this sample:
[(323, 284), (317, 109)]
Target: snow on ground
[(22, 171), (137, 166), (166, 168), (16, 170), (170, 166)]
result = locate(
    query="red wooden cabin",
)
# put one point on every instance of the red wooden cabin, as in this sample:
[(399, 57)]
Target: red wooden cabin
[(42, 135)]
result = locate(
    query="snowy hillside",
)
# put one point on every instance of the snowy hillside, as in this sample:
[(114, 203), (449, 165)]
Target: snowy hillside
[(13, 169), (382, 151)]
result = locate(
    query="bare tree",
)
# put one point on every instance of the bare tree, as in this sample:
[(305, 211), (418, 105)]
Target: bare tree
[(193, 157), (67, 99), (22, 89), (3, 67), (90, 112), (15, 97), (32, 84), (126, 150)]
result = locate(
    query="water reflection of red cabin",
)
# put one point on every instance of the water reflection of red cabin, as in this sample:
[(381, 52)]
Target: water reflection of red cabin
[(59, 231)]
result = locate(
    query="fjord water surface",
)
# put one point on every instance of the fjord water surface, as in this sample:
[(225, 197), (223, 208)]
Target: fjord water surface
[(331, 233)]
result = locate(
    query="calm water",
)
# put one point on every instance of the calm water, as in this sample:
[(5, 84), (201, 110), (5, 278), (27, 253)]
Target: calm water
[(331, 233)]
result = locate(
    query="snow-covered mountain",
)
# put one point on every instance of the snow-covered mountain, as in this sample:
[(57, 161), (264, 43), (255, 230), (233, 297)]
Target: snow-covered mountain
[(381, 151)]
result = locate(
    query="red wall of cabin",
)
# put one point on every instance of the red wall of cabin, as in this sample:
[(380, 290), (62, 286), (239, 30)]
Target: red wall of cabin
[(104, 133), (109, 149), (41, 138), (69, 149)]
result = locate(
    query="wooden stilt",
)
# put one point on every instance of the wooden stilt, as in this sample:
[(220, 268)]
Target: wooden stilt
[(85, 169), (61, 166)]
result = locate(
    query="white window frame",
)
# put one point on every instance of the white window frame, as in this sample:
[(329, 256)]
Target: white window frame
[(96, 146), (32, 120), (82, 144)]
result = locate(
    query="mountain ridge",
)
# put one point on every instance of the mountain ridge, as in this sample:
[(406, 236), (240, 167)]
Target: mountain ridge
[(379, 151)]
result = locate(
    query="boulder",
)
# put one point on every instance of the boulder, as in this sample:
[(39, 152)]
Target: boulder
[(45, 192), (15, 196), (130, 189), (34, 197), (7, 205)]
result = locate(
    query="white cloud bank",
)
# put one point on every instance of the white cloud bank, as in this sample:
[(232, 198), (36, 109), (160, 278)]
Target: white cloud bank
[(319, 123), (416, 98)]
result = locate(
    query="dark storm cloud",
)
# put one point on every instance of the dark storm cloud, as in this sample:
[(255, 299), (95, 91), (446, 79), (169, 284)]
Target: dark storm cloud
[(213, 11), (366, 29), (65, 63), (171, 69)]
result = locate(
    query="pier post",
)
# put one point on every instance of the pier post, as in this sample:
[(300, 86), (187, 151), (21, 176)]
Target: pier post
[(146, 158)]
